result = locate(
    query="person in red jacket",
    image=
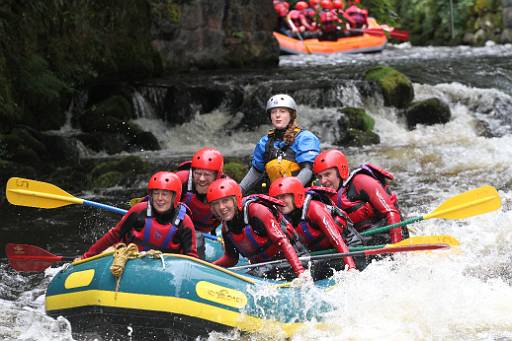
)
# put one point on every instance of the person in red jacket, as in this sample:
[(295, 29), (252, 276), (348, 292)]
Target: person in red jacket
[(162, 223), (357, 17), (311, 218), (362, 194), (251, 229)]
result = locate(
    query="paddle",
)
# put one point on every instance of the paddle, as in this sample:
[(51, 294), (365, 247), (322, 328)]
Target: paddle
[(396, 34), (32, 193), (474, 202), (419, 247), (415, 240), (31, 258)]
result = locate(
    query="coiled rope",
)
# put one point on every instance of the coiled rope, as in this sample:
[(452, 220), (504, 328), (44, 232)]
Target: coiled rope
[(121, 256)]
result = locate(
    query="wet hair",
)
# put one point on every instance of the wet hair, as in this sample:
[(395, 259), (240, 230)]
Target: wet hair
[(290, 133)]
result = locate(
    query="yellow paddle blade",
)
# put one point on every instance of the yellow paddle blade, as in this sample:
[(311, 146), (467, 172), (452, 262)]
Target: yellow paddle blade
[(477, 201), (32, 193), (436, 239)]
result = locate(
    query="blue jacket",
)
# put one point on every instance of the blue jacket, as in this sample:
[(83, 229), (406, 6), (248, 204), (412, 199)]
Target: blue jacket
[(306, 147)]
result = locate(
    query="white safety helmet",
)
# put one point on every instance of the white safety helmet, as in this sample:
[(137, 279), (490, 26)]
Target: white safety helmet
[(281, 101)]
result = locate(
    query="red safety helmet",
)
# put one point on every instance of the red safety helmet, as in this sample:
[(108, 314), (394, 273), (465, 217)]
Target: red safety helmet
[(166, 181), (222, 188), (208, 158), (313, 3), (281, 9), (331, 158), (327, 4), (301, 5), (339, 4), (289, 185)]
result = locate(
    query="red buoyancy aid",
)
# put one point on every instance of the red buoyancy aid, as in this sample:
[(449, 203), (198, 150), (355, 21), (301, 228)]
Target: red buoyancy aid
[(260, 248), (159, 236), (360, 210), (358, 17), (202, 217), (328, 20)]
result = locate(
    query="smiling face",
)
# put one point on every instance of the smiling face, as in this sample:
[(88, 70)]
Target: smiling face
[(202, 178), (288, 200), (329, 178), (224, 208), (162, 200), (280, 118)]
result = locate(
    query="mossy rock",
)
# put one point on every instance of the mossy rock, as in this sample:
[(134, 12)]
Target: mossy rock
[(359, 119), (115, 106), (430, 111), (235, 170), (396, 88), (109, 179), (356, 137), (130, 164)]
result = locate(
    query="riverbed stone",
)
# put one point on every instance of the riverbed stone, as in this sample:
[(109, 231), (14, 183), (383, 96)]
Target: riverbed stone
[(396, 88), (428, 112), (359, 119)]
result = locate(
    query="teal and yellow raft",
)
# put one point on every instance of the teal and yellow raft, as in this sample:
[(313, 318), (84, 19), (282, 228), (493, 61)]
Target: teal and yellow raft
[(175, 295)]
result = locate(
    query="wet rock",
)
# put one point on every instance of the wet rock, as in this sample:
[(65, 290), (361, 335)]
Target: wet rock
[(430, 111), (217, 33), (355, 128), (356, 137), (111, 143), (118, 172), (359, 119), (396, 88), (235, 170)]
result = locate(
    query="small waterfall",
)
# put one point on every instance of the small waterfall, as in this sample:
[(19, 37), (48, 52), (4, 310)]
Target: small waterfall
[(76, 106), (142, 108)]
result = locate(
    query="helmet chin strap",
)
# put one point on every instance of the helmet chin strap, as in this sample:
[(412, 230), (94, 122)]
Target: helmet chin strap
[(149, 210), (189, 183)]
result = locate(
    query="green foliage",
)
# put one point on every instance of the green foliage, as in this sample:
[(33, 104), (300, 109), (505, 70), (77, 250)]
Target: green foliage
[(429, 21), (382, 10)]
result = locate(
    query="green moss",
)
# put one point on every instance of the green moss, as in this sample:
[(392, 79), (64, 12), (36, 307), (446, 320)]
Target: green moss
[(235, 170), (396, 88), (359, 119), (128, 165), (109, 179)]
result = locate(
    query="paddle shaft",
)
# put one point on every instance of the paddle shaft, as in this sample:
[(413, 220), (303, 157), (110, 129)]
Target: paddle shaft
[(351, 254)]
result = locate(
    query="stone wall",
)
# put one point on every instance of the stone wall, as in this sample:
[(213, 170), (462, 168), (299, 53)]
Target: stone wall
[(214, 33)]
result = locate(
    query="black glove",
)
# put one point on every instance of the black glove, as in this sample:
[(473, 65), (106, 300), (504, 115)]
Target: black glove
[(133, 221)]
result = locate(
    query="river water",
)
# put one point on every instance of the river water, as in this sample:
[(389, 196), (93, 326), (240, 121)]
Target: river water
[(463, 295)]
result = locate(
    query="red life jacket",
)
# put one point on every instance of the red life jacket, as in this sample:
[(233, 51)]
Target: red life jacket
[(159, 236), (359, 210), (202, 217), (358, 16), (312, 237), (328, 21), (259, 248)]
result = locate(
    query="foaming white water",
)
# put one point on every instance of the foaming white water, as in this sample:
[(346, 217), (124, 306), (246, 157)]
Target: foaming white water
[(402, 52), (204, 130)]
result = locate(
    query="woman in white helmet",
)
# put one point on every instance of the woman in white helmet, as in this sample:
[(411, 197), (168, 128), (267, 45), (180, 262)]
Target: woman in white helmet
[(286, 150)]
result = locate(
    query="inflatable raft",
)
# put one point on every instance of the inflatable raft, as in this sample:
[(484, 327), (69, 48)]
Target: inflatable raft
[(176, 296), (357, 44), (363, 43)]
